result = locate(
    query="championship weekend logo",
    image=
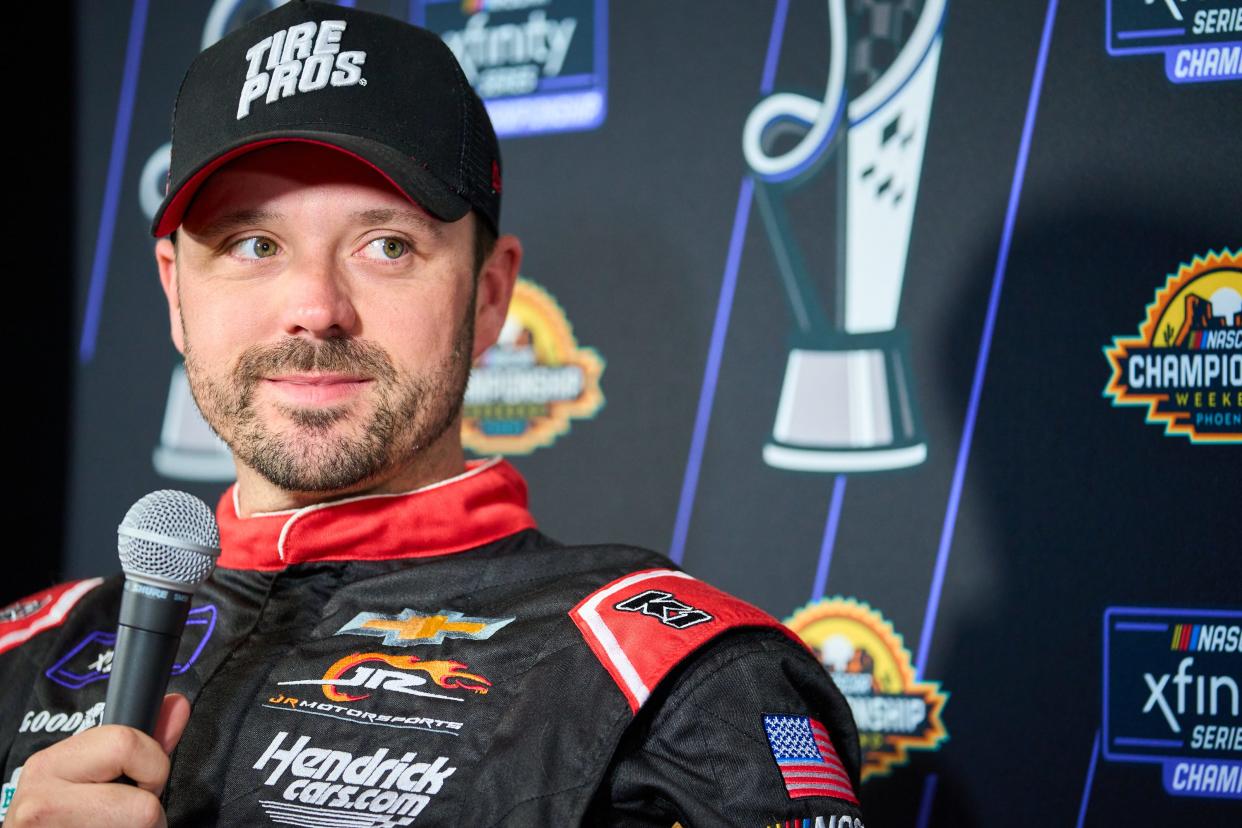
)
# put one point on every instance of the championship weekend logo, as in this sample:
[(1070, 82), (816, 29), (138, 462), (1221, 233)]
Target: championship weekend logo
[(539, 65), (867, 661), (526, 388), (1185, 365), (1173, 696)]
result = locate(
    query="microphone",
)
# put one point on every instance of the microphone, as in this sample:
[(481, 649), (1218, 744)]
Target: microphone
[(168, 544)]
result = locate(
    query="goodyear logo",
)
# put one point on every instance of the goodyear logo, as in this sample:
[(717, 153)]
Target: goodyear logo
[(866, 659), (527, 388), (1185, 365)]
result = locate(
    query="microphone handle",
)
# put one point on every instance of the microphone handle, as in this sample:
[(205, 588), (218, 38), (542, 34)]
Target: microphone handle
[(147, 638)]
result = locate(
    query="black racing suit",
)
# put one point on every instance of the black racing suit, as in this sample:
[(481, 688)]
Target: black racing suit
[(432, 659)]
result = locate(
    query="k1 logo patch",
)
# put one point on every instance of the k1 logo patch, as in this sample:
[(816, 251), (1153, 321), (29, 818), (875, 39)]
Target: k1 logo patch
[(665, 608)]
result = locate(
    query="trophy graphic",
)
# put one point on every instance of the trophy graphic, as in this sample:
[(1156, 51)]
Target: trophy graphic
[(848, 403)]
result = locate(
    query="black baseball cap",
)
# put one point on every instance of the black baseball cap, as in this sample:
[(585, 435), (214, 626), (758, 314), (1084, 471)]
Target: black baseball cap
[(384, 91)]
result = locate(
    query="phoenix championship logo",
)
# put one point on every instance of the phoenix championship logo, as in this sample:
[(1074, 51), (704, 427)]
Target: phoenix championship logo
[(526, 388), (867, 661), (1185, 365)]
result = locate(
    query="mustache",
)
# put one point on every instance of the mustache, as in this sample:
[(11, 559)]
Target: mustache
[(347, 356)]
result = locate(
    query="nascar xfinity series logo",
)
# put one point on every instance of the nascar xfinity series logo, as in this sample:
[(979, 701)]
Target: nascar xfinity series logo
[(868, 662), (1185, 365), (1201, 40), (526, 388), (1172, 696), (319, 785), (539, 65), (90, 660)]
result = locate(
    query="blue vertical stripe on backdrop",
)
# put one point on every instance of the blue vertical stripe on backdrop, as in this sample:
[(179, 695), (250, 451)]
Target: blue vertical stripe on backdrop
[(1086, 787), (985, 348), (724, 309), (112, 187), (929, 797), (830, 538), (711, 372)]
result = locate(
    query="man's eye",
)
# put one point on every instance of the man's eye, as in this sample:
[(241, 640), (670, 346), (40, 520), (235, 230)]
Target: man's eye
[(256, 247), (388, 248)]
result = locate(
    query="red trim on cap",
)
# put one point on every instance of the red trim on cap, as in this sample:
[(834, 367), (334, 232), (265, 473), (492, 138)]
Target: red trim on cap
[(171, 219), (485, 504)]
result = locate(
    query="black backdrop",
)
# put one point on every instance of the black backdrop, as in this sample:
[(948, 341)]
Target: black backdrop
[(1061, 184)]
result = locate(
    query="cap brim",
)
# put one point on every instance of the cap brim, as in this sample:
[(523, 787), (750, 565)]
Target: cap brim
[(402, 172)]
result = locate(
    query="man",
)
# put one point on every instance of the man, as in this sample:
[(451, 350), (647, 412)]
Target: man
[(387, 639)]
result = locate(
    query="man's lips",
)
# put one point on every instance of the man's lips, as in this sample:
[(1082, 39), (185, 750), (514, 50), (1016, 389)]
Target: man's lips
[(316, 389)]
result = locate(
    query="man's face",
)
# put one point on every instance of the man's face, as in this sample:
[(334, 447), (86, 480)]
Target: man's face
[(327, 323)]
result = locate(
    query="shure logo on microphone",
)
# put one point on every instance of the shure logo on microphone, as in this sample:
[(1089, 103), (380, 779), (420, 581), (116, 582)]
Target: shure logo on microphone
[(146, 589), (302, 58)]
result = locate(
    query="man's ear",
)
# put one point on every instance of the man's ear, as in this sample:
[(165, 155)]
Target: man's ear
[(166, 261), (495, 288)]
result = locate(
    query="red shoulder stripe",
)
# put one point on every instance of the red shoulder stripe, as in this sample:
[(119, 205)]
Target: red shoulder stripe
[(643, 625), (22, 620)]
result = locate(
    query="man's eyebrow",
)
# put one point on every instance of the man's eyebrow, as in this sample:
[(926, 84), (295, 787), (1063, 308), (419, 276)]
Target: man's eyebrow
[(238, 218), (388, 215)]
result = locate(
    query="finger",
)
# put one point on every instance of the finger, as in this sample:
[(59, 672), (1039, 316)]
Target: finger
[(103, 754), (171, 722), (108, 805)]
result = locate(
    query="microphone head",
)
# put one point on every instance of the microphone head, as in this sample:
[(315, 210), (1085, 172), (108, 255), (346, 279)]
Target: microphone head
[(169, 539)]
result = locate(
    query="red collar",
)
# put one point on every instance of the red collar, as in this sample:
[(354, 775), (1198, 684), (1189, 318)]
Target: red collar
[(485, 503)]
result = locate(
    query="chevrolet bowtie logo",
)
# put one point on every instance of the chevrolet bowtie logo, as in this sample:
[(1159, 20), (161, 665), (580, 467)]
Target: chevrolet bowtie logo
[(410, 628)]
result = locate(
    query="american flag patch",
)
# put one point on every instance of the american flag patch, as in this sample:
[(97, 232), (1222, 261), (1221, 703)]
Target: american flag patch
[(806, 758)]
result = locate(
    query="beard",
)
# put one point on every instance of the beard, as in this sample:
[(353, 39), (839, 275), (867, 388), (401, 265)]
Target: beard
[(409, 412)]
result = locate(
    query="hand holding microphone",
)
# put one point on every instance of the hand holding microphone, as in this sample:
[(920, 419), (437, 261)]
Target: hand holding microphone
[(168, 543)]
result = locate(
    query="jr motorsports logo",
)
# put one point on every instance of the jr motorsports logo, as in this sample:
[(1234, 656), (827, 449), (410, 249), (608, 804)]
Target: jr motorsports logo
[(1185, 365), (386, 680), (1172, 696), (1201, 40), (539, 65), (319, 785), (868, 662), (358, 675), (525, 389)]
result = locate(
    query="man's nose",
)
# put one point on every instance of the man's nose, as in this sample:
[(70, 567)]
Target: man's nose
[(316, 299)]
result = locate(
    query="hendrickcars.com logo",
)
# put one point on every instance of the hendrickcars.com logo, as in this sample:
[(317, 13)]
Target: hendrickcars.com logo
[(1172, 687), (1185, 365)]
